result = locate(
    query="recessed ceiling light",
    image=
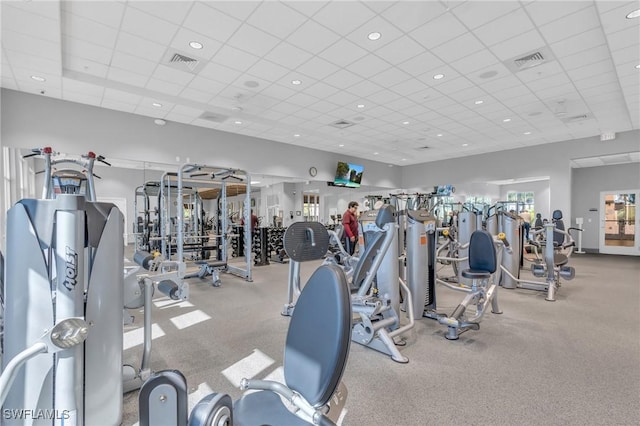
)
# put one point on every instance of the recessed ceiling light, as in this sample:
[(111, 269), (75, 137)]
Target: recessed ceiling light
[(296, 82), (236, 109), (479, 102), (633, 14), (375, 153), (160, 122), (38, 78), (638, 66), (374, 36), (253, 182), (157, 105), (405, 122), (439, 134), (438, 76), (465, 144), (390, 165), (195, 45), (527, 133), (362, 106), (296, 135), (506, 120), (238, 122), (341, 145), (404, 159)]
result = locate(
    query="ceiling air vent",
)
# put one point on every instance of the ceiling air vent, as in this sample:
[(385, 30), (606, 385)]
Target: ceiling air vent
[(529, 60), (575, 118), (182, 61), (342, 124)]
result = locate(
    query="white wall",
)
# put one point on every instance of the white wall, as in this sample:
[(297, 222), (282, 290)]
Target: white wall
[(551, 160), (34, 121)]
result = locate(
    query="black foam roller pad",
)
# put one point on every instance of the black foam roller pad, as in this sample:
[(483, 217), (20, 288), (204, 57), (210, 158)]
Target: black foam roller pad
[(168, 288)]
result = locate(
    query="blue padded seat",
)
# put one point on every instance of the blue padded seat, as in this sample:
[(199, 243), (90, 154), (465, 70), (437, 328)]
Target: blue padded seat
[(482, 256), (315, 354)]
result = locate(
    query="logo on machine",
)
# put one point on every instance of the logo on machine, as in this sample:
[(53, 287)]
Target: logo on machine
[(70, 269)]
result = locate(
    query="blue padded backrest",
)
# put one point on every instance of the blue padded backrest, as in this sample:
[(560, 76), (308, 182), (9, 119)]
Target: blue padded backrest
[(557, 215), (482, 252), (319, 336), (558, 237)]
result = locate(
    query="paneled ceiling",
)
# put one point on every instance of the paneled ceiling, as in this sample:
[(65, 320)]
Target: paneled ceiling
[(357, 77)]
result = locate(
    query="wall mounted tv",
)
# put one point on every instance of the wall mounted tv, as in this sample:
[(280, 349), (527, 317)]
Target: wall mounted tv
[(349, 175)]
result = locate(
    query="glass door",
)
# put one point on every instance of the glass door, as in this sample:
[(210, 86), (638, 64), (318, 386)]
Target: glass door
[(619, 223)]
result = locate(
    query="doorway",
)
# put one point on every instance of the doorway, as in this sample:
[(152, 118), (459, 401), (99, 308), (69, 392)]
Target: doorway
[(619, 222)]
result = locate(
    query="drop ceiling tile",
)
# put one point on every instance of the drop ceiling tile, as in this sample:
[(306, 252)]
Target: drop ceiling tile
[(625, 38), (364, 88), (24, 43), (201, 18), (504, 28), (454, 85), (342, 53), (85, 66), (85, 29), (253, 40), (105, 12), (171, 75), (184, 36), (140, 47), (343, 17), (235, 58), (400, 50), (133, 63), (219, 72), (595, 81), (446, 27), (626, 55), (553, 81), (576, 23), (23, 22), (320, 90), (518, 45), (127, 77), (475, 14), (342, 79), (288, 20), (544, 12), (578, 43), (206, 85), (288, 55), (74, 86), (388, 33), (474, 62), (83, 49), (119, 95), (172, 11), (411, 14), (458, 48), (36, 63), (591, 70), (302, 99), (591, 56), (268, 70), (237, 9), (317, 68), (313, 37), (279, 91), (148, 27), (342, 98), (195, 95), (323, 107), (389, 77), (614, 20), (47, 9)]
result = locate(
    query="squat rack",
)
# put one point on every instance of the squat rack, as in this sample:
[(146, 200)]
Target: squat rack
[(199, 176)]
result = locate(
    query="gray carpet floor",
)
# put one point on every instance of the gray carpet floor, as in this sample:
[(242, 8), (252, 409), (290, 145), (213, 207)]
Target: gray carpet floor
[(575, 361)]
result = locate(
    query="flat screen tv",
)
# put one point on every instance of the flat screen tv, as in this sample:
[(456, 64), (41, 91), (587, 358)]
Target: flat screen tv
[(349, 175), (444, 190)]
